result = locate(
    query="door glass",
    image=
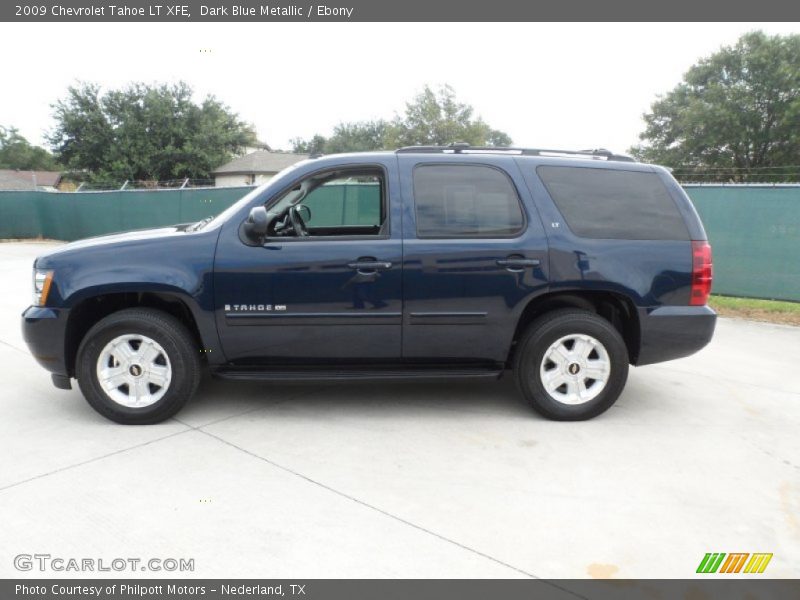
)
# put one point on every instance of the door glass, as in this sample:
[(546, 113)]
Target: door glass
[(343, 203), (465, 201)]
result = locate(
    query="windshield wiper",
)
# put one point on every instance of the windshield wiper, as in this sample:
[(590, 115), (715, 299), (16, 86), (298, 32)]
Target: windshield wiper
[(199, 224)]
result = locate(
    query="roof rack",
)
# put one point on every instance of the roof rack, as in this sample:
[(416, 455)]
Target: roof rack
[(464, 148)]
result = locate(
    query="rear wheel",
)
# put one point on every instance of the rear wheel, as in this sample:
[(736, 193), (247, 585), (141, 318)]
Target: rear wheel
[(571, 365), (138, 366)]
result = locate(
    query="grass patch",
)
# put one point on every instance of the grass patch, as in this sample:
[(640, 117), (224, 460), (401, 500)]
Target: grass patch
[(772, 311)]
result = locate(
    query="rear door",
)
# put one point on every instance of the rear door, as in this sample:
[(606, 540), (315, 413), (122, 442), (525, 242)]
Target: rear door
[(474, 253)]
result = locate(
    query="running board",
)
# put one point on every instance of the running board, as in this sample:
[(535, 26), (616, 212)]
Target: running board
[(341, 375)]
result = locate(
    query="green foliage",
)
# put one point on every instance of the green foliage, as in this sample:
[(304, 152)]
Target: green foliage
[(316, 145), (431, 118), (17, 153), (437, 118), (145, 132), (347, 137), (737, 110)]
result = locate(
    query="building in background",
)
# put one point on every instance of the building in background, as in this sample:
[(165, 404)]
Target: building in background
[(47, 181), (254, 168)]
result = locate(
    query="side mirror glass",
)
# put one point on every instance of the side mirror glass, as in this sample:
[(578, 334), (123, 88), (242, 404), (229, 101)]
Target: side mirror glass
[(255, 226)]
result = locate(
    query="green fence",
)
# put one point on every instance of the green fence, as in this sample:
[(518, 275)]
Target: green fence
[(72, 216), (754, 230), (755, 236), (349, 204)]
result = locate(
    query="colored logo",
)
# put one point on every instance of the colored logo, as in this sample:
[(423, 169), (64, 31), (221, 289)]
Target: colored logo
[(737, 562)]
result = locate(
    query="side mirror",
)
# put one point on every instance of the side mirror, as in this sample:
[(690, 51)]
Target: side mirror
[(255, 226)]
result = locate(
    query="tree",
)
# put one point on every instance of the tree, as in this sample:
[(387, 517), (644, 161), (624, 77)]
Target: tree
[(347, 137), (437, 118), (316, 145), (431, 118), (17, 153), (736, 111), (145, 132)]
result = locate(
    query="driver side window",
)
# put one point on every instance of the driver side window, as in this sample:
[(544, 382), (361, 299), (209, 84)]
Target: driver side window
[(347, 202)]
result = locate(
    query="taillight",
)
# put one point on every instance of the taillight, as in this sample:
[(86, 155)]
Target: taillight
[(702, 273)]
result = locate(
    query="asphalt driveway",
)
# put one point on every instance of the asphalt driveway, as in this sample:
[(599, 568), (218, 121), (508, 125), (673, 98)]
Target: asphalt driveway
[(409, 480)]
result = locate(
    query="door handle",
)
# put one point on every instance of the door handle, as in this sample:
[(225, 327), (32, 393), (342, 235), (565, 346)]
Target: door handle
[(370, 265), (518, 264)]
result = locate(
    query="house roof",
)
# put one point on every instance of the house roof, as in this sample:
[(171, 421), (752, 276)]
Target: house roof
[(11, 179), (260, 161)]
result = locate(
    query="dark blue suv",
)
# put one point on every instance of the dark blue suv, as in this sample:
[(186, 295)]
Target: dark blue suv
[(424, 263)]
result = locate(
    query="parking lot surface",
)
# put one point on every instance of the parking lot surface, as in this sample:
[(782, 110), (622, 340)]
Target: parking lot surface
[(409, 480)]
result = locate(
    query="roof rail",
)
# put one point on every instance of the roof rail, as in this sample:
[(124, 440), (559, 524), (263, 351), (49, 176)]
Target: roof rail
[(464, 148)]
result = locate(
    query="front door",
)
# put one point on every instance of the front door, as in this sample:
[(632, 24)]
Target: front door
[(325, 287)]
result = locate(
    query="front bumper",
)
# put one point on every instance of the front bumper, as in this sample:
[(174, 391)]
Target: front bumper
[(44, 330), (671, 332)]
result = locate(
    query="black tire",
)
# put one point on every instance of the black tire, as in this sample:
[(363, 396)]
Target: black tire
[(546, 331), (173, 337)]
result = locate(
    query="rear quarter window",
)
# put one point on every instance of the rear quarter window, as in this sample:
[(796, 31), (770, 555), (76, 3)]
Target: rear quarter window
[(614, 204)]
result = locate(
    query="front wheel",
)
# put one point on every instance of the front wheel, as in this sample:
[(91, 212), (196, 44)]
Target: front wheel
[(138, 366), (571, 365)]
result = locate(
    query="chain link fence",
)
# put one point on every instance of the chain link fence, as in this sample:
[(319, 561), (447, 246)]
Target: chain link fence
[(723, 175), (171, 184)]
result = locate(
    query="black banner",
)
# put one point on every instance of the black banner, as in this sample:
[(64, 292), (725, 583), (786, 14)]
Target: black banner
[(376, 589), (403, 10)]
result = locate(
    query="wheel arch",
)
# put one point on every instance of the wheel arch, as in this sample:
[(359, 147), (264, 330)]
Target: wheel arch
[(616, 308), (92, 308)]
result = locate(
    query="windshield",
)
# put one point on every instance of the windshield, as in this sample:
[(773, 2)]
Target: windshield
[(236, 206)]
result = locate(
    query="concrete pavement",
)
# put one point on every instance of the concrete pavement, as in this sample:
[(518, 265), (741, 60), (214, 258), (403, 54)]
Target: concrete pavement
[(409, 480)]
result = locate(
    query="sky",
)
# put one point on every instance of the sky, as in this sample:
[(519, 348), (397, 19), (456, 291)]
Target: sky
[(570, 86)]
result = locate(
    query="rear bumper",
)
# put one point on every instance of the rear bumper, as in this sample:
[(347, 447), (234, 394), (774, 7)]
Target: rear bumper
[(44, 330), (671, 332)]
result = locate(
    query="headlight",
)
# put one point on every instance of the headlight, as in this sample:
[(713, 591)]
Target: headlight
[(41, 286)]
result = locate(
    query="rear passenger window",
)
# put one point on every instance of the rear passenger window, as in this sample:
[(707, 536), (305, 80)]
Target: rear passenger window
[(465, 201), (606, 203)]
